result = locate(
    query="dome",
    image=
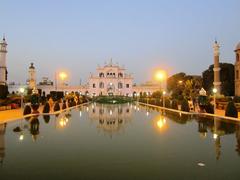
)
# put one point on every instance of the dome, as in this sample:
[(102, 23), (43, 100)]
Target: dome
[(238, 46)]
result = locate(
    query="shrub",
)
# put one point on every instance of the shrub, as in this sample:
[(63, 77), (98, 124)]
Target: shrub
[(64, 106), (167, 103), (209, 108), (174, 104), (185, 105), (56, 107), (27, 110), (46, 118), (231, 110), (46, 108), (3, 91)]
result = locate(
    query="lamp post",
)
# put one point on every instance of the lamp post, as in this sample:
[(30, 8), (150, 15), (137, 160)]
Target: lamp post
[(164, 93), (21, 90), (62, 76), (214, 98)]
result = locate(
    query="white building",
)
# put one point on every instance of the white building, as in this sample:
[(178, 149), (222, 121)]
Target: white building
[(110, 79), (3, 66)]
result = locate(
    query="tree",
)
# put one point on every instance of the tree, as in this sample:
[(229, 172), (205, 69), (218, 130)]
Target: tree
[(185, 106), (184, 86), (231, 110), (226, 78)]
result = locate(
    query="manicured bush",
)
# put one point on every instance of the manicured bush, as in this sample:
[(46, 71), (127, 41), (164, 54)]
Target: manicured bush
[(209, 108), (64, 106), (3, 91), (167, 103), (56, 107), (231, 110), (174, 104), (46, 108), (46, 118), (27, 110), (185, 105)]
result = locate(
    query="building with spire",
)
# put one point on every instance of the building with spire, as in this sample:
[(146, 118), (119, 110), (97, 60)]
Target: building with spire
[(110, 79), (32, 77), (3, 59), (216, 69)]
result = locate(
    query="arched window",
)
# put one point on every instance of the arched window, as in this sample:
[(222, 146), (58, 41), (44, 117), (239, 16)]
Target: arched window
[(120, 85), (101, 85), (94, 85), (237, 57), (120, 75), (101, 74)]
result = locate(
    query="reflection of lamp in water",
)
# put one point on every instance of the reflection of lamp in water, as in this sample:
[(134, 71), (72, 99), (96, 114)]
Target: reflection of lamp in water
[(147, 113), (215, 136), (21, 137), (63, 121), (80, 113), (161, 122)]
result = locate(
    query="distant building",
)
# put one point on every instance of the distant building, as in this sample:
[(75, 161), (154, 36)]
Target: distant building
[(45, 82), (110, 79), (32, 77)]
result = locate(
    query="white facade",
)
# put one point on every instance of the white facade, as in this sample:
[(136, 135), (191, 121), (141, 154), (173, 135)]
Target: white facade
[(110, 79), (32, 77), (3, 66)]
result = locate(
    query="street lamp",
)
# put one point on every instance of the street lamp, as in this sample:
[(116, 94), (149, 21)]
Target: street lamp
[(160, 76), (21, 90), (214, 98), (62, 76)]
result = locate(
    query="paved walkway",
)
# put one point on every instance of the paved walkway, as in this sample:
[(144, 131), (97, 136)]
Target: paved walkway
[(12, 115)]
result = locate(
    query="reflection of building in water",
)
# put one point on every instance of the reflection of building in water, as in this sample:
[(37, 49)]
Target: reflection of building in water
[(34, 127), (2, 142), (238, 138), (219, 128), (111, 118)]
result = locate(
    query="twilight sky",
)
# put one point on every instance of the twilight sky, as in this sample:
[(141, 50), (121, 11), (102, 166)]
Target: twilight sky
[(77, 35)]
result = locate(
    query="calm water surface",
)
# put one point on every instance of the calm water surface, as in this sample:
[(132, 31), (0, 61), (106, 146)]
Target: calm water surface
[(119, 142)]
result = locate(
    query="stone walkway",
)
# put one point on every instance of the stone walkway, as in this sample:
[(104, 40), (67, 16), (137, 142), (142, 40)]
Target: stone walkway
[(12, 115)]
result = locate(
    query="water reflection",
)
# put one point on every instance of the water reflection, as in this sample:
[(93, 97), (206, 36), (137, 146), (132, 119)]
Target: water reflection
[(110, 118), (113, 119), (2, 141)]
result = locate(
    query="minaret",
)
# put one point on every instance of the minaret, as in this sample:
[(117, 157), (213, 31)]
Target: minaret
[(216, 69), (32, 77), (3, 67)]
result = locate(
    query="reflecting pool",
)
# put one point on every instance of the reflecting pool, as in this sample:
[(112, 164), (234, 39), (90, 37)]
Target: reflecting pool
[(119, 142)]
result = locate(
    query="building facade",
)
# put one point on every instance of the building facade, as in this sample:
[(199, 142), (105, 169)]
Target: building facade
[(237, 70), (3, 66), (111, 79)]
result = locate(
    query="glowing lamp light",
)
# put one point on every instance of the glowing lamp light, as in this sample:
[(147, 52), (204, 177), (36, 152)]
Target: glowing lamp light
[(160, 75), (21, 137), (215, 136), (62, 75), (214, 90), (21, 90), (164, 92), (161, 123)]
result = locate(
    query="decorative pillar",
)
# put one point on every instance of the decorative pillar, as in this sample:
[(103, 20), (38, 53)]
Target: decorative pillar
[(216, 69)]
